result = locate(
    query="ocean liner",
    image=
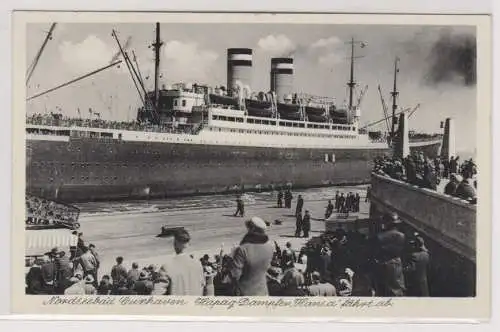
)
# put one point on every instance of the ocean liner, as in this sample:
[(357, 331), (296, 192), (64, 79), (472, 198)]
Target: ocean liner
[(194, 139)]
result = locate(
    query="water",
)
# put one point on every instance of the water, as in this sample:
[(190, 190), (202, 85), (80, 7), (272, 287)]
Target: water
[(210, 201)]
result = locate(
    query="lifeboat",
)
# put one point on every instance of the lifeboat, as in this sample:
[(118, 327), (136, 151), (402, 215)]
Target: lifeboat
[(317, 118), (223, 100), (318, 111), (258, 108), (316, 114), (289, 111), (339, 116)]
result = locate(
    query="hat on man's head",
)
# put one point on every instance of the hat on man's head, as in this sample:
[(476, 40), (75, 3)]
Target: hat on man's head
[(74, 280), (89, 279), (256, 222), (182, 236), (392, 218), (316, 275)]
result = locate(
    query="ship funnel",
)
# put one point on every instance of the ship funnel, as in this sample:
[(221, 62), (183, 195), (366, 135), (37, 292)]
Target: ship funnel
[(282, 77), (239, 68)]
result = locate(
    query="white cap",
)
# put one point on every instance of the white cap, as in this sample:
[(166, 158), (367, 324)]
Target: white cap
[(257, 222)]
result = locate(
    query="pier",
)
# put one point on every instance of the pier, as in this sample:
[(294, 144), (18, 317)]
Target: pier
[(134, 235), (448, 224)]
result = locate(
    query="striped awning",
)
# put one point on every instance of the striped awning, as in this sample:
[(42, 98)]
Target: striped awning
[(39, 242)]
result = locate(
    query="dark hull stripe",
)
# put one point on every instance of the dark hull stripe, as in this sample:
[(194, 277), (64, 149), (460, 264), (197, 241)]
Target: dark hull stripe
[(87, 170)]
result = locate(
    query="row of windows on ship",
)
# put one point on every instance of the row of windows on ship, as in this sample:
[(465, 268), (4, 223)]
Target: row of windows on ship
[(284, 123), (268, 132)]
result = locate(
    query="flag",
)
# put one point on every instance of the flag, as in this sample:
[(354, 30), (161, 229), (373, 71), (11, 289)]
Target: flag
[(363, 44)]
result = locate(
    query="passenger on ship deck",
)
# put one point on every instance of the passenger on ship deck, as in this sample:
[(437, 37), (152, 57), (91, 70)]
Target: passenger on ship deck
[(300, 205), (280, 198), (390, 244)]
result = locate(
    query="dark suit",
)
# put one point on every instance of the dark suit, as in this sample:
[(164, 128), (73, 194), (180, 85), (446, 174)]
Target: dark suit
[(417, 273), (390, 279), (306, 225), (298, 225), (465, 191), (450, 188), (300, 205)]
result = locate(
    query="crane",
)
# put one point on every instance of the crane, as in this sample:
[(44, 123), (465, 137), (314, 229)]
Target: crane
[(75, 80), (361, 95), (384, 108), (33, 65), (413, 110)]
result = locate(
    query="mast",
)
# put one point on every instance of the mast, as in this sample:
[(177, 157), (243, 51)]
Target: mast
[(351, 84), (394, 95), (157, 46)]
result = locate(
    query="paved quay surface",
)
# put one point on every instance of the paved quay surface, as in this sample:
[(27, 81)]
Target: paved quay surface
[(133, 234)]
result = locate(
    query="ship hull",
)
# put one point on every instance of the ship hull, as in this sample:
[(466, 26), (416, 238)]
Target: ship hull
[(89, 170)]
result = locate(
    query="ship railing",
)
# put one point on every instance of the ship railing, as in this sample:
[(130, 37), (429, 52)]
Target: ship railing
[(130, 126)]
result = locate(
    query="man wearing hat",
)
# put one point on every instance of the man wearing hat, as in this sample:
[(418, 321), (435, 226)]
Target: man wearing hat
[(390, 244), (306, 224), (185, 272), (451, 187), (143, 286), (89, 288), (252, 258), (274, 286), (465, 190), (416, 268)]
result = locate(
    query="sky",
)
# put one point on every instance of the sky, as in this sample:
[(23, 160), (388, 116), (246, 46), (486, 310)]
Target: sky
[(437, 66)]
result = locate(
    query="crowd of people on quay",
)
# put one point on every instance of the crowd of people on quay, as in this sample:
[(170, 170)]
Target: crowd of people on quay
[(341, 263), (425, 172), (41, 211)]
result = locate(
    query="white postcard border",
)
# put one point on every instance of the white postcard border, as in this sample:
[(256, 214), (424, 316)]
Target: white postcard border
[(402, 309)]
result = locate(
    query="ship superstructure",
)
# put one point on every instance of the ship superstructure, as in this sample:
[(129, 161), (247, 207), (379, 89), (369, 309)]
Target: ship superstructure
[(192, 138)]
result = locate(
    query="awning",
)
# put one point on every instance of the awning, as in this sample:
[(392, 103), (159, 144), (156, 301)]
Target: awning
[(39, 242)]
